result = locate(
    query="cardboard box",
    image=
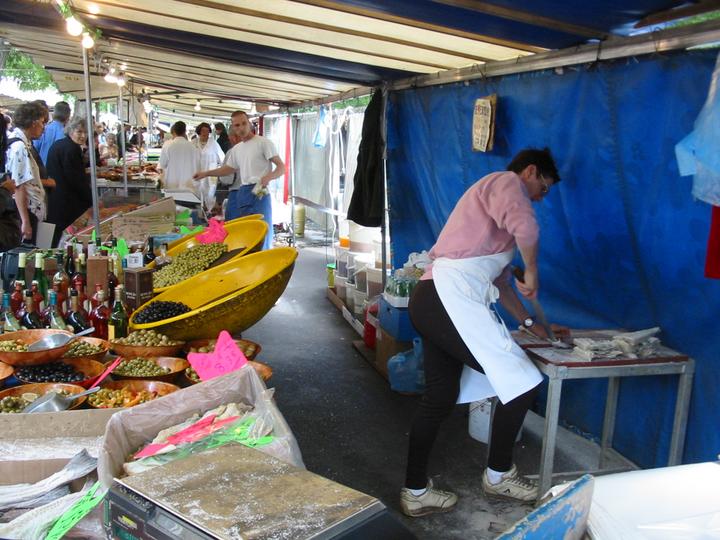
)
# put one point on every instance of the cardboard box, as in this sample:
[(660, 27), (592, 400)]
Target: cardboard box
[(386, 347), (138, 287), (97, 273)]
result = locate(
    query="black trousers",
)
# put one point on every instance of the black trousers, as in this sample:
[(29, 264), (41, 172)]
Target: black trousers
[(445, 354)]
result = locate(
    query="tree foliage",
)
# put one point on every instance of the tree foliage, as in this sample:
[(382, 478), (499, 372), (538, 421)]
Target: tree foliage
[(30, 76)]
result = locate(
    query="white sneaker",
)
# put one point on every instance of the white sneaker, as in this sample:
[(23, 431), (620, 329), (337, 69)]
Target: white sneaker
[(430, 502), (512, 486)]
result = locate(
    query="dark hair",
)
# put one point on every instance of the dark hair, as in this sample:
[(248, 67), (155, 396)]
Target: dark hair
[(27, 113), (542, 159), (179, 128), (237, 113), (61, 111), (203, 125), (220, 126)]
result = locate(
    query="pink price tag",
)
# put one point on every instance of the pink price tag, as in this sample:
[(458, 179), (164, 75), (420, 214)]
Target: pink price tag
[(226, 357), (214, 233), (150, 450)]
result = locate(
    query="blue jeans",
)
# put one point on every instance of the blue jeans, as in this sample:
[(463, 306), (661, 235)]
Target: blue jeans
[(242, 202)]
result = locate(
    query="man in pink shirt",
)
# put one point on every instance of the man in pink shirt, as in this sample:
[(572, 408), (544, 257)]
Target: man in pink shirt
[(450, 308)]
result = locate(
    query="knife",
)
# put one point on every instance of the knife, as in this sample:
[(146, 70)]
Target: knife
[(519, 274)]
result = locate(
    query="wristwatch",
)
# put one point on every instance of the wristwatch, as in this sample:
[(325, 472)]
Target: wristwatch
[(529, 322)]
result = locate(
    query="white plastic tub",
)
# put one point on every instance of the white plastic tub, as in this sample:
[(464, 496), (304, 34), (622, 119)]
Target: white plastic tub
[(341, 287), (374, 282), (479, 421)]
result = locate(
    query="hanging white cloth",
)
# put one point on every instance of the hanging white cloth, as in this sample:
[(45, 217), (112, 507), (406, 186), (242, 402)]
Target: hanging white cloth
[(466, 289)]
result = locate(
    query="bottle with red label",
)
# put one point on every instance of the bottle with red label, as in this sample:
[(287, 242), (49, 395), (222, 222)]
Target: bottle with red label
[(99, 316)]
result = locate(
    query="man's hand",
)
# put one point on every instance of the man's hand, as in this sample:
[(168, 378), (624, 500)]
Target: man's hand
[(529, 286), (560, 331), (199, 175), (265, 181)]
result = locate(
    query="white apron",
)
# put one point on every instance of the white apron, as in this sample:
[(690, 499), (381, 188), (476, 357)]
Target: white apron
[(466, 289)]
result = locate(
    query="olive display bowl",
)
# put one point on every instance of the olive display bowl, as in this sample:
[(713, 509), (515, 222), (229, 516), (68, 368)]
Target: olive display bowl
[(92, 341), (243, 344), (263, 370), (43, 388), (162, 388), (32, 358), (87, 366), (141, 351), (175, 365), (6, 372)]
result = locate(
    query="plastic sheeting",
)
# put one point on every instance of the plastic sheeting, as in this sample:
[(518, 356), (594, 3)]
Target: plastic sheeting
[(622, 241)]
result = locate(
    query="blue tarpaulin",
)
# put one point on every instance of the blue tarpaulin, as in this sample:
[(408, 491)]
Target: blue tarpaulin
[(622, 240)]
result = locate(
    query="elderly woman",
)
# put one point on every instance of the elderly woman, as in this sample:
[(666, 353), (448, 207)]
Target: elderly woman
[(30, 120), (72, 194), (109, 150)]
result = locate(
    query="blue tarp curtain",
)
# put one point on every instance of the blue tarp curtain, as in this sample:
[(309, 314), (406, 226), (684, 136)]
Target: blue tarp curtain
[(622, 240)]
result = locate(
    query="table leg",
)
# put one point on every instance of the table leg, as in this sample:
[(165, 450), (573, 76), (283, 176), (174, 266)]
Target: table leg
[(608, 430), (552, 412), (682, 406)]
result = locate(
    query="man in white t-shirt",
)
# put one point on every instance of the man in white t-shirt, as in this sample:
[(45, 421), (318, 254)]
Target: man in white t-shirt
[(252, 161), (179, 160)]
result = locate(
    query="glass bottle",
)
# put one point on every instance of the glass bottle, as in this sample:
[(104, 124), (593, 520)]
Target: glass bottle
[(38, 298), (40, 275), (112, 279), (77, 317), (30, 318), (53, 318), (118, 323), (99, 317), (10, 323), (149, 251), (163, 259), (20, 276), (17, 298), (70, 261), (95, 300), (77, 280), (62, 279)]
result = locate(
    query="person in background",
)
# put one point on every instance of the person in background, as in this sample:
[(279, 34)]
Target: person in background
[(451, 309), (9, 217), (179, 160), (30, 120), (257, 163), (110, 149), (222, 138), (47, 182), (54, 131), (211, 157), (73, 195), (100, 131)]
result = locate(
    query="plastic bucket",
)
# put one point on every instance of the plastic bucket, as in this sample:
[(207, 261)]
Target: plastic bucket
[(374, 282), (341, 260), (359, 303), (479, 421), (341, 287)]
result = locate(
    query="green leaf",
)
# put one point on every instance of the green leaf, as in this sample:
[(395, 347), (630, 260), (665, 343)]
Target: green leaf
[(30, 76)]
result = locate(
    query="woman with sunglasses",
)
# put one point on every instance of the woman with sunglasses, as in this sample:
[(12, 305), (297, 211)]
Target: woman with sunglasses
[(468, 351)]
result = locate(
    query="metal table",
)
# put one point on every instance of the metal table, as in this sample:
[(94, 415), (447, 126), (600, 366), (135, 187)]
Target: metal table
[(561, 364)]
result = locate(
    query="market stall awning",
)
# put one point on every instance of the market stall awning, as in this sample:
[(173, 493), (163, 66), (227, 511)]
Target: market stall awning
[(289, 52)]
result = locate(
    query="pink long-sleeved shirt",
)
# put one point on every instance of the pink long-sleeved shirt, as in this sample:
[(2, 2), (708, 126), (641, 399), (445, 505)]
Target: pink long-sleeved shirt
[(491, 217)]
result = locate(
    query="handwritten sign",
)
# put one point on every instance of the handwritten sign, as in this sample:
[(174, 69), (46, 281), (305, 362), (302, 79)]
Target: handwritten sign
[(483, 128), (215, 232), (226, 357)]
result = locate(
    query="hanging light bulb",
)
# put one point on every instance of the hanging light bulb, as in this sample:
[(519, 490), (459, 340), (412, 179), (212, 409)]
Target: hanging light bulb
[(120, 80), (74, 27), (110, 75), (87, 41), (197, 105)]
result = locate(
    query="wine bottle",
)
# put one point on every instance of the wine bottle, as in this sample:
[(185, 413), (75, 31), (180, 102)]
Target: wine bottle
[(99, 317), (17, 298), (118, 323), (62, 279), (30, 319), (53, 319), (112, 280), (77, 316), (38, 298), (149, 251), (10, 323), (20, 276), (39, 275)]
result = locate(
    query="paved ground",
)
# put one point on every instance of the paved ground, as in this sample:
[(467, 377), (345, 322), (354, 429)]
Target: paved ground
[(352, 428)]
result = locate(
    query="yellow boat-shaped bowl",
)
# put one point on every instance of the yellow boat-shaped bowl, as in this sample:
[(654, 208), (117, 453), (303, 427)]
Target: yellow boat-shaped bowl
[(245, 236), (175, 243), (232, 296)]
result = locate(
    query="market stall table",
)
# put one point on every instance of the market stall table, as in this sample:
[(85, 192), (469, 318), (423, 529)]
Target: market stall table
[(562, 364)]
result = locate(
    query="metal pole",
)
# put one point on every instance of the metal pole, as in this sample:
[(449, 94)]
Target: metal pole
[(384, 224), (122, 140), (91, 144)]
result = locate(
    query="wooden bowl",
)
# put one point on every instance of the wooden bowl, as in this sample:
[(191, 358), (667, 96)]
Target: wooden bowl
[(6, 371), (263, 370), (244, 344), (88, 367), (135, 351), (175, 365), (32, 358), (93, 341), (43, 388), (161, 388)]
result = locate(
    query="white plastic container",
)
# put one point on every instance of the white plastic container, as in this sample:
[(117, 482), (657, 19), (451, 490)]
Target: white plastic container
[(479, 421), (377, 250), (361, 279), (341, 287), (361, 238), (374, 282), (350, 298), (341, 261), (359, 302)]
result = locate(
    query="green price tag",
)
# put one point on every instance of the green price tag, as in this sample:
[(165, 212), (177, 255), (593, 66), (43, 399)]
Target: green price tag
[(78, 511)]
